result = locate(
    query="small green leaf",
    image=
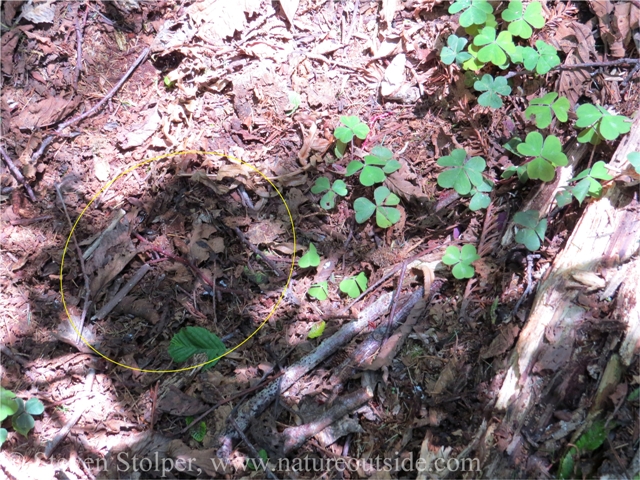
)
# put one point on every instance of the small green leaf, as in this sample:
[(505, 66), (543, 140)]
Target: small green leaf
[(23, 423), (387, 216), (453, 52), (462, 270), (319, 291), (168, 83), (364, 208), (353, 168), (563, 198), (479, 201), (343, 134), (341, 147), (34, 406), (494, 49), (391, 166), (634, 160), (199, 432), (322, 185), (8, 403), (383, 153), (3, 435), (541, 108), (316, 330), (310, 259), (370, 175), (451, 256), (190, 341), (474, 12), (531, 230), (593, 438), (468, 254), (521, 23), (354, 286), (492, 89), (548, 155), (340, 187), (462, 175), (328, 200), (599, 171)]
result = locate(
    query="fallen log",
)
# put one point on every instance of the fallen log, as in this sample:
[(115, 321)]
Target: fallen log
[(545, 365)]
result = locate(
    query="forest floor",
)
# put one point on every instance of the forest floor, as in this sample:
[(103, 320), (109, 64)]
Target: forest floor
[(262, 87)]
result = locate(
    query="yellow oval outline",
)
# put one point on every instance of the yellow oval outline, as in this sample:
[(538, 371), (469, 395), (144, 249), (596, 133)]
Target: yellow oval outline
[(134, 167)]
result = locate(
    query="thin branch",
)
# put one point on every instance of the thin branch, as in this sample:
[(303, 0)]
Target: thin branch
[(394, 302), (117, 298), (87, 283), (611, 63), (253, 450), (47, 141), (79, 47), (17, 174)]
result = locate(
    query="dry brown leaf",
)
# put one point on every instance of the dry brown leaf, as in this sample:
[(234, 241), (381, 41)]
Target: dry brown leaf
[(221, 18), (45, 112), (101, 168), (140, 132), (389, 9), (39, 12), (264, 232), (289, 8)]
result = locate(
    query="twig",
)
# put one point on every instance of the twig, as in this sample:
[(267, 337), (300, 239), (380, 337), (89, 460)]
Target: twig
[(117, 298), (7, 351), (79, 47), (347, 39), (47, 141), (256, 405), (394, 302), (253, 450), (16, 173), (294, 437), (87, 283), (29, 221), (119, 214), (257, 251), (53, 444), (611, 63)]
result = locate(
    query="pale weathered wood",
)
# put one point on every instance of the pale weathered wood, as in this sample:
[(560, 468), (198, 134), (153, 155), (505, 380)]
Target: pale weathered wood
[(605, 240)]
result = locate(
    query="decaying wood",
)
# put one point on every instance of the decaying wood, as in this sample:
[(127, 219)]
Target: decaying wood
[(543, 361)]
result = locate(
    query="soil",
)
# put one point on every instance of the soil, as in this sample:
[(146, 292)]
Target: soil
[(212, 231)]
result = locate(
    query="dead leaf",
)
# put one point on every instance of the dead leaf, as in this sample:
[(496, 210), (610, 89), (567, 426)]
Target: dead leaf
[(39, 12), (389, 9), (233, 170), (175, 402), (101, 168), (501, 343), (221, 18), (394, 77), (289, 8), (216, 244), (264, 232), (140, 132), (45, 112), (328, 46)]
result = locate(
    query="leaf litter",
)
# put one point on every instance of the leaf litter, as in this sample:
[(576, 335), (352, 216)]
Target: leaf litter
[(219, 79)]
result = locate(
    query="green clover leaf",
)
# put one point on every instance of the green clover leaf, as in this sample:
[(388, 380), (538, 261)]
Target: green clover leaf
[(541, 109), (588, 183), (479, 197), (453, 52), (461, 259), (531, 230), (352, 127), (322, 185), (376, 166), (599, 123), (8, 403), (563, 197), (548, 155), (492, 90), (634, 160), (319, 291), (462, 174), (521, 23), (543, 58), (386, 214), (474, 12), (309, 259), (494, 49), (354, 286)]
